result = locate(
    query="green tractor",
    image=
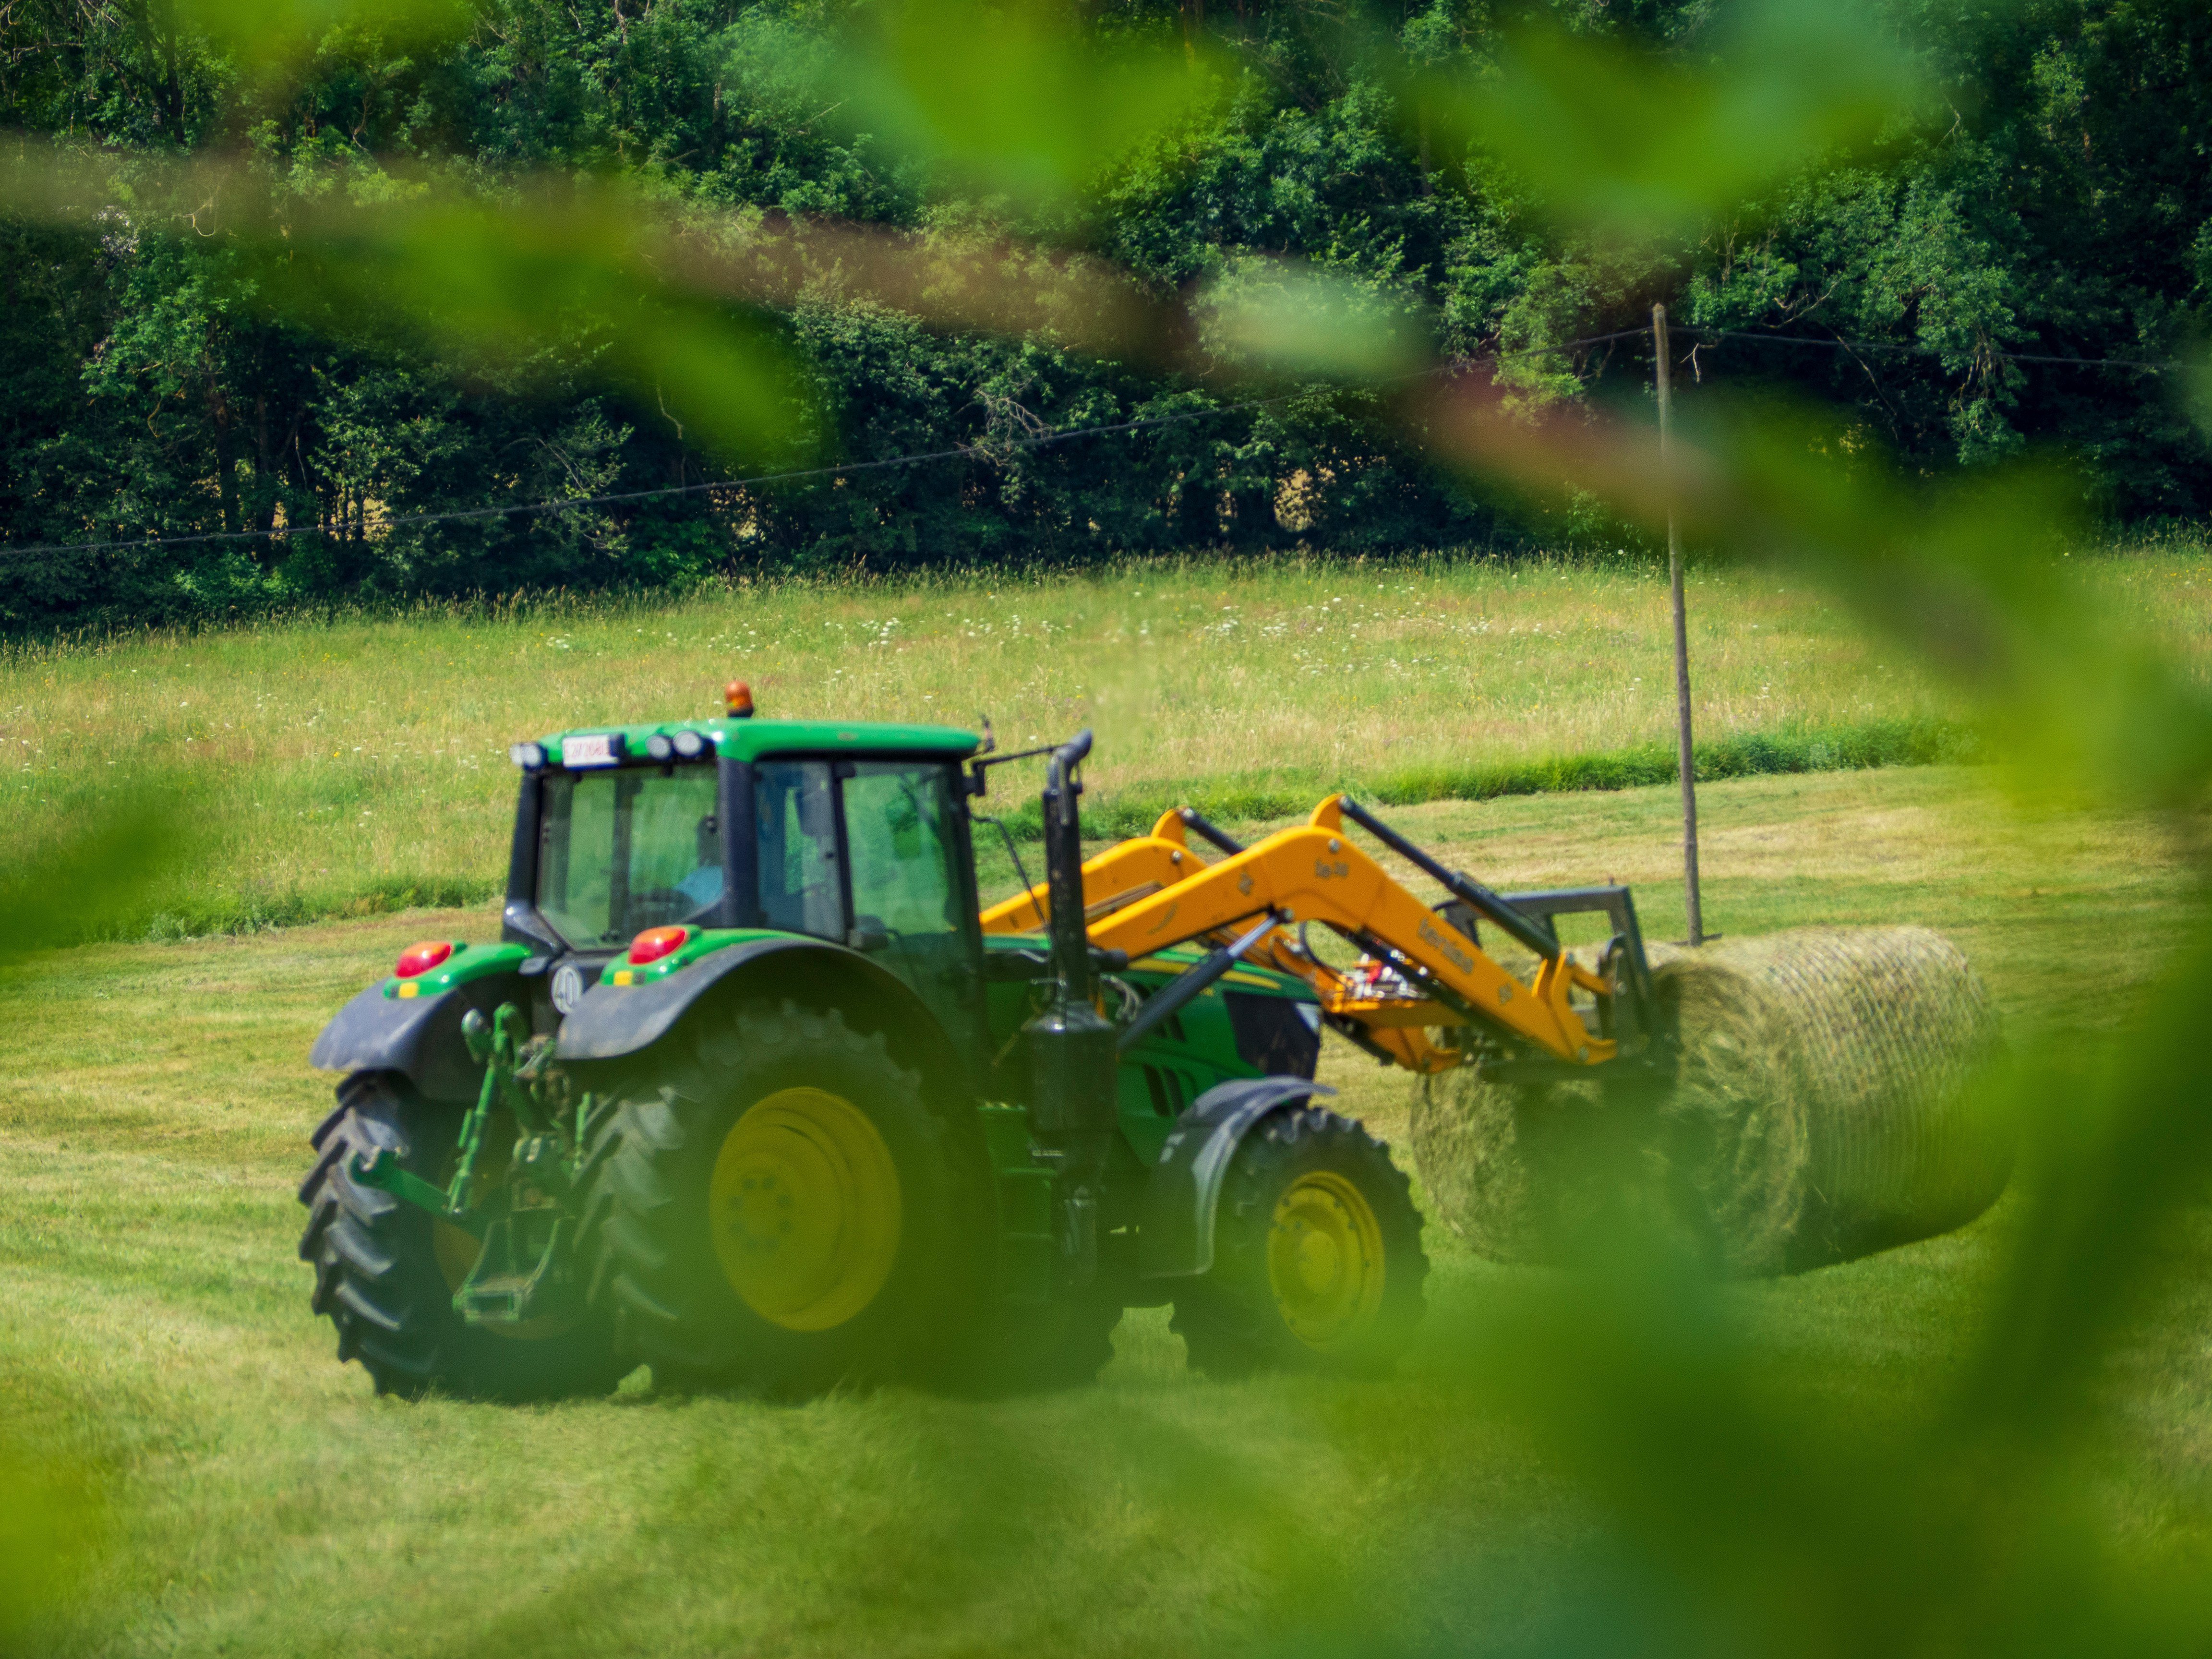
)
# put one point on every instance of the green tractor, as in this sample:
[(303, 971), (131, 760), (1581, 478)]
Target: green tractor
[(747, 1094)]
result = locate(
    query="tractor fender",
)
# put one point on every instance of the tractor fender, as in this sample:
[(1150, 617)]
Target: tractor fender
[(613, 1021), (1176, 1240), (418, 1037)]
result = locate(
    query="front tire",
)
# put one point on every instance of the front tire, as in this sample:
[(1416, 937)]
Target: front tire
[(1317, 1260), (385, 1271), (780, 1211)]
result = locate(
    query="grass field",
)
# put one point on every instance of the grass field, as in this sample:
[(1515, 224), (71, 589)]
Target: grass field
[(227, 1488), (354, 766), (252, 1496)]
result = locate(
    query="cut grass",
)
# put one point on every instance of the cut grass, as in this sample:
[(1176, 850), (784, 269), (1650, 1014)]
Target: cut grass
[(260, 1500), (354, 766)]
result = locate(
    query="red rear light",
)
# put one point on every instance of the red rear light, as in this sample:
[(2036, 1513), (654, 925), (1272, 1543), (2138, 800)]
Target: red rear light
[(422, 958), (655, 942)]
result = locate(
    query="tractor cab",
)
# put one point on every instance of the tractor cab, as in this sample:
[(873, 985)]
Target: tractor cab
[(640, 850)]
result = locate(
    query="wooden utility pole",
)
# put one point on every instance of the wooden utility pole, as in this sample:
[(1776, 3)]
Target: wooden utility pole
[(1685, 750)]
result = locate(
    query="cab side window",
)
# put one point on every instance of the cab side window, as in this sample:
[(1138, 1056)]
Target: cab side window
[(794, 811), (896, 829)]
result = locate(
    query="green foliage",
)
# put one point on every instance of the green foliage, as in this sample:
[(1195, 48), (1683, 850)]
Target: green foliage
[(89, 864), (93, 863), (469, 260)]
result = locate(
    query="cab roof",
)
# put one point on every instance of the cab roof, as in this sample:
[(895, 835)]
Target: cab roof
[(750, 739)]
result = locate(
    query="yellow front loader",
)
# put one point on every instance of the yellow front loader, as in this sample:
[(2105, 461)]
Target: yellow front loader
[(1425, 993)]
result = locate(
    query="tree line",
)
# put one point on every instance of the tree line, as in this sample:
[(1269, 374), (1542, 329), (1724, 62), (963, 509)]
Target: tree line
[(2054, 204)]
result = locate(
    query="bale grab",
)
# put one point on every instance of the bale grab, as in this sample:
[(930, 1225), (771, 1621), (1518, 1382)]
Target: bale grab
[(1824, 1106)]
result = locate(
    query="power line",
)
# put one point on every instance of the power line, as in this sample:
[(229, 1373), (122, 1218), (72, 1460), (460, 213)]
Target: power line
[(1838, 343), (1040, 440), (570, 503)]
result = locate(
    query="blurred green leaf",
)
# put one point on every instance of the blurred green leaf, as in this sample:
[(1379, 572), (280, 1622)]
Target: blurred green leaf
[(545, 272), (283, 33), (1013, 97), (94, 861), (50, 1523), (2196, 392), (1736, 1519), (87, 865), (1967, 569), (1634, 145), (2123, 1144), (1780, 1530), (525, 274), (1286, 317), (1970, 571)]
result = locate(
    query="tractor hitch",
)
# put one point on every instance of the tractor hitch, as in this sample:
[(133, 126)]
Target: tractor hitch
[(524, 1215), (381, 1170), (523, 1272), (512, 1283)]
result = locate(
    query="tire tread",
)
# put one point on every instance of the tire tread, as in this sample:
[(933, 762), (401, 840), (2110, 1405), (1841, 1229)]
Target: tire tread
[(1228, 1319), (377, 1279)]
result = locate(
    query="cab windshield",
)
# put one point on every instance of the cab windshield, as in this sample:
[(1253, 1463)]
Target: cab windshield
[(623, 850)]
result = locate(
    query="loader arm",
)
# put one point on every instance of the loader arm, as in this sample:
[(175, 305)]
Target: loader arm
[(1312, 873), (1121, 875), (1145, 865)]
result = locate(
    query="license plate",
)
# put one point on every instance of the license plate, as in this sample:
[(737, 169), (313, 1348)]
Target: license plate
[(587, 752)]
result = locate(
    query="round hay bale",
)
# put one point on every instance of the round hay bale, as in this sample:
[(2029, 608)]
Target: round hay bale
[(1538, 1174), (1821, 1109), (1894, 1028)]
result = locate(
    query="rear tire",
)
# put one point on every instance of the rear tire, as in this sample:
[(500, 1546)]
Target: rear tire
[(779, 1210), (1317, 1260), (385, 1271)]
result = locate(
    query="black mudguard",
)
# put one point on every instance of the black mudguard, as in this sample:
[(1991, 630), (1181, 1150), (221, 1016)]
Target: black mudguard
[(1176, 1240), (419, 1037), (615, 1020)]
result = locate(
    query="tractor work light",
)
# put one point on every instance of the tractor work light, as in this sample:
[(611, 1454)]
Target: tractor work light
[(530, 756), (422, 958), (660, 748), (655, 942), (690, 746)]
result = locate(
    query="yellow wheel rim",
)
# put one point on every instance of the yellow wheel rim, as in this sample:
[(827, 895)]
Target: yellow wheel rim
[(805, 1207), (1325, 1259)]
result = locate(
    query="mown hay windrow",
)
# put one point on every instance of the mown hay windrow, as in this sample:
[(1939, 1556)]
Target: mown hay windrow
[(1823, 1106)]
